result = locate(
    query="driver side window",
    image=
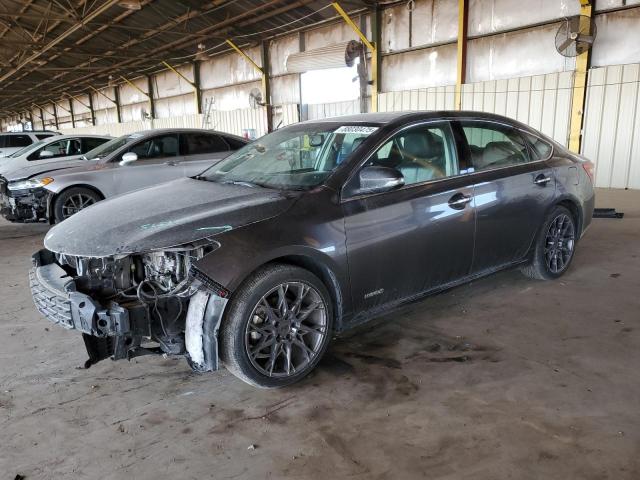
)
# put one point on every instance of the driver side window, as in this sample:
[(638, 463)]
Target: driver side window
[(157, 147), (421, 153)]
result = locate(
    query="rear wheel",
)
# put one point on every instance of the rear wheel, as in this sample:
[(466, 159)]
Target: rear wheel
[(554, 246), (73, 200), (277, 327)]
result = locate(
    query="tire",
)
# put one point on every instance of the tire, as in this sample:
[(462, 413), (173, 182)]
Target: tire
[(252, 334), (557, 237), (81, 197)]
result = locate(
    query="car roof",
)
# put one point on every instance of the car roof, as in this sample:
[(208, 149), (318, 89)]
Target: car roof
[(30, 131), (82, 135), (156, 131), (389, 118)]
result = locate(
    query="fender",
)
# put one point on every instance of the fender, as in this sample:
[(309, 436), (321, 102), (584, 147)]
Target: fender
[(51, 198)]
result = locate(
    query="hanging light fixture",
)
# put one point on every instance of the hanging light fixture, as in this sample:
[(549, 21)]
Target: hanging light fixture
[(130, 4), (201, 56)]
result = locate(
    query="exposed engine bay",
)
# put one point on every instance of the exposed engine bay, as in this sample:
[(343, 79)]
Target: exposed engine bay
[(126, 306)]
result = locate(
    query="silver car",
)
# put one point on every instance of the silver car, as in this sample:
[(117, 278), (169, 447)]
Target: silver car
[(132, 162), (18, 203), (59, 151)]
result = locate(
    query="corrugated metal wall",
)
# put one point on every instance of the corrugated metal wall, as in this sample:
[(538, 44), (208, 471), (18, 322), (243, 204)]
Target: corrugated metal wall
[(611, 135), (541, 101), (436, 98)]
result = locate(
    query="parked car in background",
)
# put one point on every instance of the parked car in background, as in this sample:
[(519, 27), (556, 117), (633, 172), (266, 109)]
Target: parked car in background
[(53, 151), (308, 231), (11, 142), (19, 202), (118, 166)]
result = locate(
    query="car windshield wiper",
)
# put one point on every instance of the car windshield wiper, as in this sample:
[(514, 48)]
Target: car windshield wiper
[(243, 183)]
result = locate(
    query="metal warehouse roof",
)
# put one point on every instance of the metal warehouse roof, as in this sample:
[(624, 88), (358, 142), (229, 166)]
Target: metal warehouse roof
[(48, 48)]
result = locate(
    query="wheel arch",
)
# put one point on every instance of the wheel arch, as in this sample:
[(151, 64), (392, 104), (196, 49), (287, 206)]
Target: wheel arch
[(53, 198), (573, 205), (313, 262)]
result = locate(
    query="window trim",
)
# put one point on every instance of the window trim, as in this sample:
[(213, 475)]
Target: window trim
[(386, 139), (515, 127), (118, 157)]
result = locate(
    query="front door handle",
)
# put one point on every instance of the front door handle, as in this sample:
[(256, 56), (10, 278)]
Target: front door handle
[(459, 201), (171, 163), (542, 180)]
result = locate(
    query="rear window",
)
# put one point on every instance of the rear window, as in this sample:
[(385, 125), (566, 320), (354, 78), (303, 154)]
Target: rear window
[(42, 136), (198, 143), (234, 143), (541, 149), (91, 143), (16, 141)]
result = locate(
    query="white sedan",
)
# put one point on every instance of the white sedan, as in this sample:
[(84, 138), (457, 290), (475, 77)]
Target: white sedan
[(59, 150)]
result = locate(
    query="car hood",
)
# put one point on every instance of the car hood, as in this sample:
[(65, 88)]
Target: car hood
[(23, 173), (167, 215)]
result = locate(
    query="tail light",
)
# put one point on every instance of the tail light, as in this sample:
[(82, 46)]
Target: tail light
[(589, 168)]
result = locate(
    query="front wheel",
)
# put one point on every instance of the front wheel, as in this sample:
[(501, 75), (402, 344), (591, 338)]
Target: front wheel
[(277, 327), (73, 200), (554, 247)]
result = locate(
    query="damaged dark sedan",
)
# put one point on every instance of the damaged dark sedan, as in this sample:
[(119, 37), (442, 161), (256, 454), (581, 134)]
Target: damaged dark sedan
[(257, 262)]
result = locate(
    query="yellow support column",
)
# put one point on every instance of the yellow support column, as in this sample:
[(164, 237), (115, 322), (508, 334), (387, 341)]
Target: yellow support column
[(463, 10), (374, 54), (579, 85), (193, 85)]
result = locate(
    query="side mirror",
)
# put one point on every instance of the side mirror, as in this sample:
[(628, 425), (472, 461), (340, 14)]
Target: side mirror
[(128, 158), (379, 179), (46, 154), (316, 140)]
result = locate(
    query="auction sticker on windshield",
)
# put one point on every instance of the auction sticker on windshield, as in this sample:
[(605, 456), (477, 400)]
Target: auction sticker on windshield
[(356, 129)]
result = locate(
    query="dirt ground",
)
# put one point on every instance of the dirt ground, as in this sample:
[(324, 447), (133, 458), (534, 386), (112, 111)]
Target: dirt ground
[(503, 378)]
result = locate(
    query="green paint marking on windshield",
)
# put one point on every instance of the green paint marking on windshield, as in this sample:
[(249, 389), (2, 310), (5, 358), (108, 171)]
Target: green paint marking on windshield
[(222, 229)]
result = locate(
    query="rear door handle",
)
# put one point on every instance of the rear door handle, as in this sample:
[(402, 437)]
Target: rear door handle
[(459, 201), (542, 180)]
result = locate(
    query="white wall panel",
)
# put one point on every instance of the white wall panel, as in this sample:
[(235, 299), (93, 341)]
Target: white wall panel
[(169, 84), (279, 50), (130, 95), (330, 34), (434, 21), (177, 106), (491, 16), (285, 89), (395, 28), (234, 97), (609, 4), (229, 69), (618, 39), (135, 111), (423, 68), (515, 54), (610, 134), (81, 108)]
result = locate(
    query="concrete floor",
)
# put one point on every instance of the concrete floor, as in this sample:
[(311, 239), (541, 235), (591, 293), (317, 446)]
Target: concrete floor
[(503, 378)]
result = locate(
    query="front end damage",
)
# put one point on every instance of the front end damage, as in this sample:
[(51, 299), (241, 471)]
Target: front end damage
[(29, 205), (132, 305)]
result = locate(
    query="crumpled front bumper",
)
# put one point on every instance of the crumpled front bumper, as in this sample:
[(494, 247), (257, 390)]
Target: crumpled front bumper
[(108, 331), (116, 330), (23, 206)]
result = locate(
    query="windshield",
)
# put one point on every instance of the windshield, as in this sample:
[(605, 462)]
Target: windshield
[(109, 147), (27, 149), (295, 158)]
